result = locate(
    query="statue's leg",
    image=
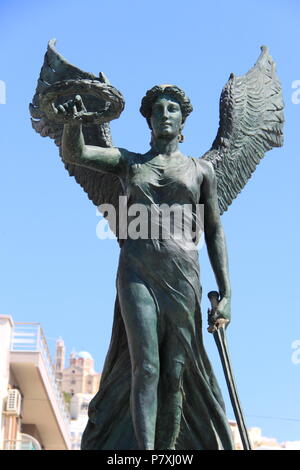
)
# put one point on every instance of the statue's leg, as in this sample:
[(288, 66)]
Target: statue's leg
[(140, 318), (170, 392)]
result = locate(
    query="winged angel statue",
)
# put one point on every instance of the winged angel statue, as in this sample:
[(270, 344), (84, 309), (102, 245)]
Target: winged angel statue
[(158, 390)]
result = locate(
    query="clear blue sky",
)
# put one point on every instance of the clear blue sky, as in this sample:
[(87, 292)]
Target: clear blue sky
[(54, 270)]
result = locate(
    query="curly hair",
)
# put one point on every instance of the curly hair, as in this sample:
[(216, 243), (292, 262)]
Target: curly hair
[(171, 90)]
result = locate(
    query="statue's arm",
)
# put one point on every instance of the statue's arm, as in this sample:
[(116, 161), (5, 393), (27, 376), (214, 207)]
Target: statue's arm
[(74, 150), (215, 238)]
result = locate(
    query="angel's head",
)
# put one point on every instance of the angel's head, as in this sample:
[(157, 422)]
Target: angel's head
[(166, 108)]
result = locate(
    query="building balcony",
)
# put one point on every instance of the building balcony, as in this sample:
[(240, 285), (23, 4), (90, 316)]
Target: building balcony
[(42, 401), (25, 442)]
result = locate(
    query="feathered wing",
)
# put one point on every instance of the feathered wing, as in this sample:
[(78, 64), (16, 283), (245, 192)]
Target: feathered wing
[(251, 123), (100, 187)]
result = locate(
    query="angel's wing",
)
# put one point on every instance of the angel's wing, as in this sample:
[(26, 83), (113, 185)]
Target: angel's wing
[(100, 187), (251, 123)]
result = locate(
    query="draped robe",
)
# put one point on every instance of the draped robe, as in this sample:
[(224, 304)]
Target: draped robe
[(169, 268)]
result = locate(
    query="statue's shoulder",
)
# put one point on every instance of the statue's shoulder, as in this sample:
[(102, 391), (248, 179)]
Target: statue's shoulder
[(204, 167), (129, 157)]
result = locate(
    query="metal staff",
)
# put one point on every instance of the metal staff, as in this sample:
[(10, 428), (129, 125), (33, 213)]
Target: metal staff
[(219, 333)]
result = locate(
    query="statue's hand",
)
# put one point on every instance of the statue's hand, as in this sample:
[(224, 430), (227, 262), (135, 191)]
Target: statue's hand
[(224, 310), (220, 312), (73, 110)]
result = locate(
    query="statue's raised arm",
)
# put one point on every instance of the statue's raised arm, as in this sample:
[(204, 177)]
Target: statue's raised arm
[(59, 83), (251, 123)]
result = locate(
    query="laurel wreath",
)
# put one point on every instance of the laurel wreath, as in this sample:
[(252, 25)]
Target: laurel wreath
[(107, 101)]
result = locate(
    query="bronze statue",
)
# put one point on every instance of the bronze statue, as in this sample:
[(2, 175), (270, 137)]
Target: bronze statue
[(158, 390)]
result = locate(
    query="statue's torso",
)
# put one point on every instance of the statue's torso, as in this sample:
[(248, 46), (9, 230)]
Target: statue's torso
[(163, 186), (169, 181)]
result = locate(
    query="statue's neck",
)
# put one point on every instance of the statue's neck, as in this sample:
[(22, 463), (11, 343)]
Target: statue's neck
[(164, 146)]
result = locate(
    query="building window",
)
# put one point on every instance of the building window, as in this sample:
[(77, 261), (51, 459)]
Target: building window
[(73, 382), (73, 371)]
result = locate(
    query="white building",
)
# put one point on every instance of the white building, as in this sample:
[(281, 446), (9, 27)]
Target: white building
[(80, 383), (79, 376), (260, 442), (79, 417), (33, 414)]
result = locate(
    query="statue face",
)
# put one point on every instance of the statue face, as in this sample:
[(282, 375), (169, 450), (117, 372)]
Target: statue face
[(166, 117)]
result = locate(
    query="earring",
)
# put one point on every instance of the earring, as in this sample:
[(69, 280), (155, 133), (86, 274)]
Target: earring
[(180, 138)]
